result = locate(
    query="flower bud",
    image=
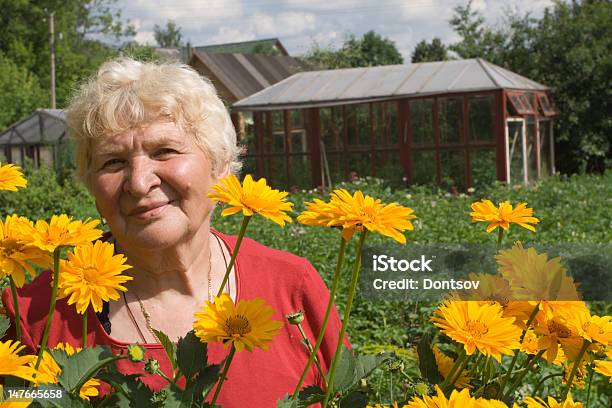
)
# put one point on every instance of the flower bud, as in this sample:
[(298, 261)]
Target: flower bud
[(421, 388), (135, 353), (295, 318), (151, 366)]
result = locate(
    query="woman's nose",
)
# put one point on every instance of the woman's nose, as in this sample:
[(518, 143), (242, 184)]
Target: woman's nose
[(141, 176)]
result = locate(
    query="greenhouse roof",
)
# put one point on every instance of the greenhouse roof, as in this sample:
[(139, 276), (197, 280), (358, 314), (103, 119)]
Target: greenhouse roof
[(44, 126), (357, 85)]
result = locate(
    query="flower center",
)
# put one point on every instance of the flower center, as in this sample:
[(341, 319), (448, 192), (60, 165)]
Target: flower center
[(90, 274), (237, 326), (476, 329), (558, 329), (10, 246)]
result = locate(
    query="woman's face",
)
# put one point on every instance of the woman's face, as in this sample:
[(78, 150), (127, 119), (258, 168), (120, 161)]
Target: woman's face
[(151, 185)]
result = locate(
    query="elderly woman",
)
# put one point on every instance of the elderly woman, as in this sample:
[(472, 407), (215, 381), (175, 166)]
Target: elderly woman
[(151, 140)]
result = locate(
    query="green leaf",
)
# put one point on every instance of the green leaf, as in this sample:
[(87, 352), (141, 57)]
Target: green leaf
[(310, 395), (205, 380), (168, 345), (366, 364), (128, 387), (345, 371), (191, 354), (427, 361), (5, 323), (287, 402), (178, 398), (81, 366), (356, 399), (67, 401)]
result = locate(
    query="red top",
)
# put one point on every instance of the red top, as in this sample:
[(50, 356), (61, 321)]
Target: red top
[(255, 379)]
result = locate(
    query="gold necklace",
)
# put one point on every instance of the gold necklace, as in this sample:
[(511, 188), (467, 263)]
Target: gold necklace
[(147, 315)]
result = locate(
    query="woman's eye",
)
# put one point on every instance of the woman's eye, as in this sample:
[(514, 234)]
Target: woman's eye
[(166, 151), (111, 163)]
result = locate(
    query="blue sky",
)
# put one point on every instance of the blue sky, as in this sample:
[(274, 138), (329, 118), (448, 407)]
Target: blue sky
[(300, 23)]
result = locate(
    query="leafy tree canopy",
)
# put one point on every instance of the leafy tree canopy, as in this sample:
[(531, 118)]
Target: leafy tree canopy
[(369, 50), (168, 37), (433, 51)]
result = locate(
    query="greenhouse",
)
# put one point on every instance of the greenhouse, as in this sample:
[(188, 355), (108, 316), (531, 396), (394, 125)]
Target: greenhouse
[(458, 124)]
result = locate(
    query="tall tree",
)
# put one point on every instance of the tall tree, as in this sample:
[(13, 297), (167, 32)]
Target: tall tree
[(369, 50), (168, 37), (434, 51)]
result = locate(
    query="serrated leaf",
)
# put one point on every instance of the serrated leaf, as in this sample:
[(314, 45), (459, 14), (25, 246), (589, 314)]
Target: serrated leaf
[(178, 398), (345, 371), (76, 367), (427, 361), (66, 401), (205, 380), (5, 323), (287, 402), (356, 399), (310, 395), (127, 386), (168, 345), (191, 354)]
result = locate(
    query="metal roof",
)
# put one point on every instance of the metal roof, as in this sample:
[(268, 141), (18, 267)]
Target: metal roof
[(44, 126), (355, 85), (246, 74), (244, 47)]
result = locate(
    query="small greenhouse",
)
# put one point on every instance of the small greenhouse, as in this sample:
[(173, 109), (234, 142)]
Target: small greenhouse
[(40, 138), (455, 123)]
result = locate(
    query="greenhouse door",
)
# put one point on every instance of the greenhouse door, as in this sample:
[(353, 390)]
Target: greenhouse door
[(516, 165)]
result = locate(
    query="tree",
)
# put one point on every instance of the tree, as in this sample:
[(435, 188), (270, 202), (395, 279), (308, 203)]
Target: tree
[(169, 37), (20, 92), (434, 51), (370, 50)]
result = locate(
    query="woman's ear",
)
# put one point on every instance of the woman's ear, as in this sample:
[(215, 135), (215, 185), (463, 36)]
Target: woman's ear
[(224, 171)]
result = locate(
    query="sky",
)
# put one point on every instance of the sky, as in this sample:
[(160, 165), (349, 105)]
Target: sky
[(301, 23)]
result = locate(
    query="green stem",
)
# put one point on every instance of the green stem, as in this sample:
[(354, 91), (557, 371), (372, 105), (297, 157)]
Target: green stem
[(223, 374), (16, 307), (45, 338), (460, 370), (84, 338), (532, 360), (309, 347), (330, 305), (487, 371), (588, 399), (165, 377), (570, 379), (453, 370), (500, 237), (543, 380), (93, 370), (532, 317), (345, 321), (243, 227)]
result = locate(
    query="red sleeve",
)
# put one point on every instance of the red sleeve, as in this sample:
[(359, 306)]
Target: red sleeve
[(26, 339), (315, 297)]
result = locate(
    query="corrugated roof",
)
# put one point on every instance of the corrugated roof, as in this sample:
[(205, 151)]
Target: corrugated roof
[(342, 86), (246, 74), (44, 126)]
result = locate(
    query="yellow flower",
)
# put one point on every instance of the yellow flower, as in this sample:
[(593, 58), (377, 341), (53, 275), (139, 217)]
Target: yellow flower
[(63, 231), (478, 326), (16, 252), (11, 404), (92, 274), (538, 402), (11, 177), (252, 197), (445, 364), (604, 367), (356, 212), (554, 331), (485, 211), (12, 363), (456, 400), (592, 328), (533, 276), (49, 371), (247, 324), (530, 343)]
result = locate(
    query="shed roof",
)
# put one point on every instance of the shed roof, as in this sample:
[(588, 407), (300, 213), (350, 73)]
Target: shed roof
[(245, 74), (245, 47), (354, 85), (43, 126)]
